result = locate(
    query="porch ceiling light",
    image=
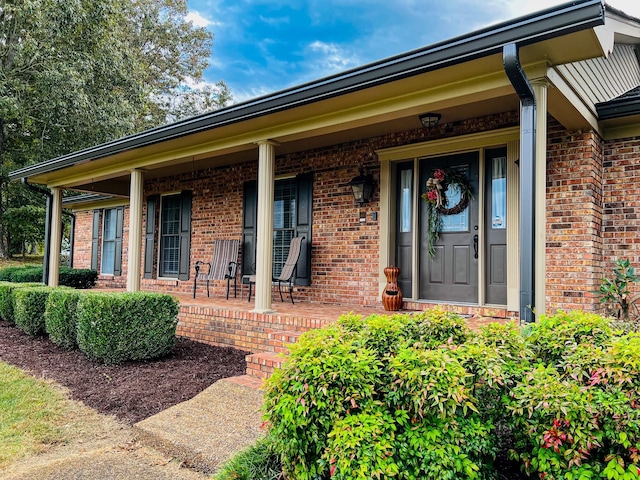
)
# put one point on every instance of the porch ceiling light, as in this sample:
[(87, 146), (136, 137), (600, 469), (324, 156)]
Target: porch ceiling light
[(362, 187), (430, 120)]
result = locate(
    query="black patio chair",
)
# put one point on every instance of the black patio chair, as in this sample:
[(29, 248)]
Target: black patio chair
[(288, 274), (223, 266)]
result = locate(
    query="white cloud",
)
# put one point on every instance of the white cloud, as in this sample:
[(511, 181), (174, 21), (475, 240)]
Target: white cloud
[(332, 57), (197, 19)]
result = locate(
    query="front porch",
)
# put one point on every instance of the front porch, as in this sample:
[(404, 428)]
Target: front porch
[(233, 323)]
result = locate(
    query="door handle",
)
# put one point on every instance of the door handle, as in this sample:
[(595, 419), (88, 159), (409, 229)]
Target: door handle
[(475, 246)]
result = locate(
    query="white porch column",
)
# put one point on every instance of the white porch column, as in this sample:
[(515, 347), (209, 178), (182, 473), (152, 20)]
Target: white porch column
[(135, 231), (56, 236), (540, 90), (264, 262)]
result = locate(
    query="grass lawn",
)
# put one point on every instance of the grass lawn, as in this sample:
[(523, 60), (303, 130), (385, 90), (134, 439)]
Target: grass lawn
[(18, 261), (32, 414)]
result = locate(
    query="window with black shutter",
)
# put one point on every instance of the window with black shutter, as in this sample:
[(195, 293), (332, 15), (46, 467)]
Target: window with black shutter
[(292, 218), (175, 236)]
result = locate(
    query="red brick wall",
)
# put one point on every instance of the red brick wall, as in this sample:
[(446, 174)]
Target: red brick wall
[(82, 240), (622, 203), (574, 218), (344, 250)]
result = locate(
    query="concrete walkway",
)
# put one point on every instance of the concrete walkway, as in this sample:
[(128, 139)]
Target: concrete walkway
[(208, 429), (200, 433)]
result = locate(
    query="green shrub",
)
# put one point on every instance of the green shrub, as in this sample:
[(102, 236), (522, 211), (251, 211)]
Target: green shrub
[(419, 396), (61, 317), (30, 304), (68, 277), (117, 327), (579, 416), (78, 277), (379, 397), (258, 462), (551, 336), (7, 299), (27, 274)]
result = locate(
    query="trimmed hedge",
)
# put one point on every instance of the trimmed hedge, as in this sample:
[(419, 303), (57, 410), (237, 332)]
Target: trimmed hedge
[(30, 304), (69, 277), (61, 317), (7, 299), (118, 327)]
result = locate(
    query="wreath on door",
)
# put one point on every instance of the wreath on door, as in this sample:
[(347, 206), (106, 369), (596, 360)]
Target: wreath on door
[(438, 204)]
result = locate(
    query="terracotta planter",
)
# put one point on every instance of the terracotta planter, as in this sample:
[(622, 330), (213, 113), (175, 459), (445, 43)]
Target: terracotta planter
[(392, 295)]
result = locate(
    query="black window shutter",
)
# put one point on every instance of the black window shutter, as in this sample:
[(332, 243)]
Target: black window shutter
[(184, 261), (150, 236), (304, 219), (95, 236), (249, 227), (117, 268)]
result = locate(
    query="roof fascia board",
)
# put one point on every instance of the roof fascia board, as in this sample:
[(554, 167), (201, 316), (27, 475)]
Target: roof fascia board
[(441, 96), (529, 29)]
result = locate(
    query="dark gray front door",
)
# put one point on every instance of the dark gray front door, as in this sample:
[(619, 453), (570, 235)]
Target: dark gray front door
[(496, 226), (452, 274)]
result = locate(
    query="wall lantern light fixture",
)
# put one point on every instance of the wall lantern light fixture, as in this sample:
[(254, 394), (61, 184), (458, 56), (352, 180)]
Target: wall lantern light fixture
[(430, 120), (362, 187)]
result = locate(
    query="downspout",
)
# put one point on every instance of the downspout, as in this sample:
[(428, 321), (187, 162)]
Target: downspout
[(47, 227), (520, 82)]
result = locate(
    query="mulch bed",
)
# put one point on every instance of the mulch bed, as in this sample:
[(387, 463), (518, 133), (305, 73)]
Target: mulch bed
[(132, 391)]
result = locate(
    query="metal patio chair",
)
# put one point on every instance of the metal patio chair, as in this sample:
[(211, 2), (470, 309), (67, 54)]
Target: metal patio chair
[(288, 274), (223, 266)]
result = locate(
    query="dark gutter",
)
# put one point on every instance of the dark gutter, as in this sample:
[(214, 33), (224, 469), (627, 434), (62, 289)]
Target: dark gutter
[(525, 30), (523, 88), (618, 107), (47, 227)]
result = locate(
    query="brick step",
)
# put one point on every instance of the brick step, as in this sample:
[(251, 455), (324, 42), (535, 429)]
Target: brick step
[(279, 341), (261, 365)]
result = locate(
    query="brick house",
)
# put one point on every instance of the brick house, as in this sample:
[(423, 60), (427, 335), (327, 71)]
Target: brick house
[(540, 113)]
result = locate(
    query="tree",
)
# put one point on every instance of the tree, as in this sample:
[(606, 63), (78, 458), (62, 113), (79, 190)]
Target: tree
[(76, 73)]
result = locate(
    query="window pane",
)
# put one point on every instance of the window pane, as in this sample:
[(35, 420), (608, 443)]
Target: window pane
[(108, 257), (107, 263), (499, 193), (406, 187), (110, 224), (458, 222), (284, 221), (170, 236)]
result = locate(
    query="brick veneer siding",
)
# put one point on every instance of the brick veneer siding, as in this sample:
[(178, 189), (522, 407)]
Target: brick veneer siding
[(621, 218), (574, 218), (345, 251), (82, 239)]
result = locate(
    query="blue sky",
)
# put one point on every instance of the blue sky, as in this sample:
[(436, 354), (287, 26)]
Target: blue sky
[(262, 46)]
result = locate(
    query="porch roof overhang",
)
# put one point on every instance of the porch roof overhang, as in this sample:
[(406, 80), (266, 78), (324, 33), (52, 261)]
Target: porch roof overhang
[(461, 77)]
